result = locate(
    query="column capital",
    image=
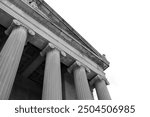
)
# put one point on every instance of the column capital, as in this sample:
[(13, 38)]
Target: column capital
[(98, 78), (76, 65), (15, 23), (50, 47), (62, 53)]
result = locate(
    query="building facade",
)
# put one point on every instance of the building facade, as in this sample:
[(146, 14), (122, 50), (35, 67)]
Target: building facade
[(43, 57)]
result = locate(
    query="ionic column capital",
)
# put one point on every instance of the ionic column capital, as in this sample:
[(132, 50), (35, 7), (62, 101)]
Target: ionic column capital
[(15, 23), (50, 47), (98, 78), (76, 65)]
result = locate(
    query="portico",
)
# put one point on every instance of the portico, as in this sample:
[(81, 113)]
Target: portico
[(45, 61)]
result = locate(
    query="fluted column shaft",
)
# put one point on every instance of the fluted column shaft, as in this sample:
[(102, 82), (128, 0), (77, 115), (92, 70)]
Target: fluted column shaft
[(52, 87), (102, 91), (81, 84), (9, 60)]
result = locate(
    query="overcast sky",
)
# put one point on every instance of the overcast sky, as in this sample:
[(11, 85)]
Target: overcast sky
[(121, 30)]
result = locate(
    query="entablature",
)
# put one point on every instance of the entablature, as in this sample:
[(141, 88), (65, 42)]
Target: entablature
[(45, 33), (60, 27)]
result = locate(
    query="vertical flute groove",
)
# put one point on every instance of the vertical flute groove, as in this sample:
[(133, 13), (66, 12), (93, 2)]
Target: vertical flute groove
[(52, 87), (102, 91), (9, 60), (81, 84)]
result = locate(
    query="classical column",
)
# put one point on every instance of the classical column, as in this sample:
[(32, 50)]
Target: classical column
[(101, 88), (52, 87), (9, 59), (81, 82)]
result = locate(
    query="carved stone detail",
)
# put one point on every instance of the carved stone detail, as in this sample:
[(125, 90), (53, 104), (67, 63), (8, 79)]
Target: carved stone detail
[(51, 46), (100, 82), (77, 64), (15, 23), (99, 77)]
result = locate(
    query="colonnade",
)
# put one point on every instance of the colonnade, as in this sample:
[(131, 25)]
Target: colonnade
[(10, 57)]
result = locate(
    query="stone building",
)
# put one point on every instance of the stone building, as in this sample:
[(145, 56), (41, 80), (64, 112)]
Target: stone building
[(43, 57)]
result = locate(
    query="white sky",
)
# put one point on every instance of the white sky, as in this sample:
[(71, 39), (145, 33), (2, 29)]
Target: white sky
[(121, 30)]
